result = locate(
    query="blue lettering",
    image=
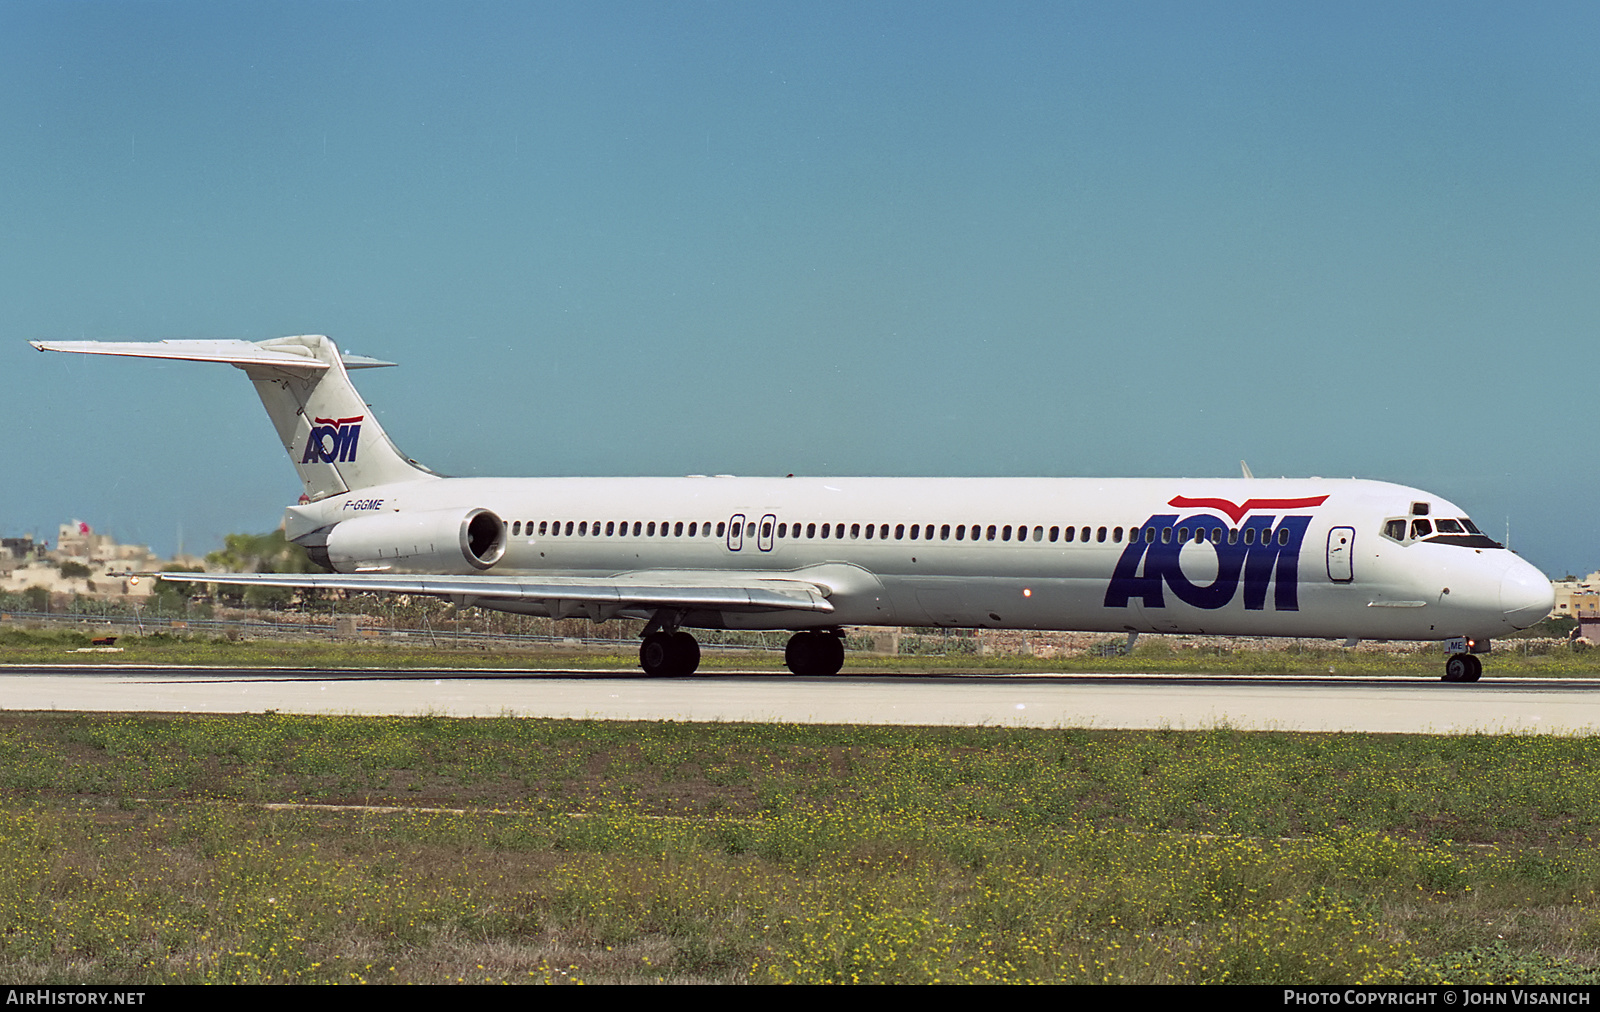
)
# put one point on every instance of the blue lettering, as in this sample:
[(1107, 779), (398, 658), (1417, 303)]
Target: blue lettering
[(317, 452), (1261, 555), (329, 443), (1126, 580), (1267, 552), (347, 442)]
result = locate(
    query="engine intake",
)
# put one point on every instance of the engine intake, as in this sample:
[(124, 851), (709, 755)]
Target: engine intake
[(437, 541)]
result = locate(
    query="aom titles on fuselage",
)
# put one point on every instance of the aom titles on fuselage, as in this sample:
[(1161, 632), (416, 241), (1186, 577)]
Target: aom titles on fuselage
[(1346, 559)]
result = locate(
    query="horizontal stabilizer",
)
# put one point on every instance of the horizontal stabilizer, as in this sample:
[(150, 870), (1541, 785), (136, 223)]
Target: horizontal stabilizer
[(239, 353), (330, 434)]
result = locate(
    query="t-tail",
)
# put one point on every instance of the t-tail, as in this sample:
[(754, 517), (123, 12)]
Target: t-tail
[(332, 439)]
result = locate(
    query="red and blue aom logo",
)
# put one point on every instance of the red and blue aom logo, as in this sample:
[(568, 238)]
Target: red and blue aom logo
[(332, 440), (1262, 551)]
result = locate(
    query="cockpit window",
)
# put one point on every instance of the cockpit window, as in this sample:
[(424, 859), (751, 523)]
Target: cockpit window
[(1457, 531), (1463, 532)]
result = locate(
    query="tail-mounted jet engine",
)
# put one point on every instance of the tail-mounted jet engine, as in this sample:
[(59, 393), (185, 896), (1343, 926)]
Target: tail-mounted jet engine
[(440, 541)]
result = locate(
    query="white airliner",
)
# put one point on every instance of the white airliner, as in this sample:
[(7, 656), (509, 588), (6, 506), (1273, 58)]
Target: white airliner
[(1346, 559)]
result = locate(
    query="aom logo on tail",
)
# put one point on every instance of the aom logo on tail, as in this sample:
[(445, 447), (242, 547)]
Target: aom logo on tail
[(332, 440), (1258, 552)]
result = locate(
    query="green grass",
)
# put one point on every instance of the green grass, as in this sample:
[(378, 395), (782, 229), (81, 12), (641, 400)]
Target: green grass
[(1153, 654), (142, 849)]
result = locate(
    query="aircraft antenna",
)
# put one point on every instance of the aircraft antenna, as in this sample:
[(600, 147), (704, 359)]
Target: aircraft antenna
[(1245, 468)]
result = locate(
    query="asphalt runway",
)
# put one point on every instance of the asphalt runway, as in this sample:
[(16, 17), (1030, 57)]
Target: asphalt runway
[(1403, 705)]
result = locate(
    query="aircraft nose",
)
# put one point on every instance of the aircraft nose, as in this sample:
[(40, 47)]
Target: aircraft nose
[(1526, 595)]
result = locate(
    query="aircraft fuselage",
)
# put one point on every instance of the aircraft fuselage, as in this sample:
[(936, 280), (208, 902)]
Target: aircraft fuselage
[(1280, 557)]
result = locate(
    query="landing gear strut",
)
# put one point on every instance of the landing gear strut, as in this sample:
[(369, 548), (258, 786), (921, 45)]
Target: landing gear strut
[(1462, 668), (815, 653), (669, 654)]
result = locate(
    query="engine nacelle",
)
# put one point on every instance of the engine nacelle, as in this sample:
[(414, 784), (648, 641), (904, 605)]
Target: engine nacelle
[(432, 541)]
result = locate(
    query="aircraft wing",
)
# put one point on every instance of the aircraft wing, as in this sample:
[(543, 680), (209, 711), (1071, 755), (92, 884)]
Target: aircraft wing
[(575, 595)]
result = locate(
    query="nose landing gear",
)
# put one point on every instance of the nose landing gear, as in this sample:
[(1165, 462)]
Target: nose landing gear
[(1462, 668)]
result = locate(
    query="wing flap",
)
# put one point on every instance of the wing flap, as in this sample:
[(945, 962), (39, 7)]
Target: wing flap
[(750, 596)]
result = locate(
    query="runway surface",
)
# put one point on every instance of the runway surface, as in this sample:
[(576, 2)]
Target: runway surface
[(1032, 700)]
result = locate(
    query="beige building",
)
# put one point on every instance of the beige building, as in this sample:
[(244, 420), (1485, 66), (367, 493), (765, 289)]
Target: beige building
[(1575, 597), (110, 564)]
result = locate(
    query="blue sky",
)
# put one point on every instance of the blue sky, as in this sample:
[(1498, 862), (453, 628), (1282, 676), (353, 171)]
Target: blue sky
[(614, 238)]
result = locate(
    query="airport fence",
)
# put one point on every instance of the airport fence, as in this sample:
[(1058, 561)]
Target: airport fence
[(336, 627)]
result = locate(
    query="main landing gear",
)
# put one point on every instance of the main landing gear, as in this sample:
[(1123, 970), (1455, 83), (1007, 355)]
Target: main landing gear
[(1462, 668), (673, 653), (669, 654), (818, 652)]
